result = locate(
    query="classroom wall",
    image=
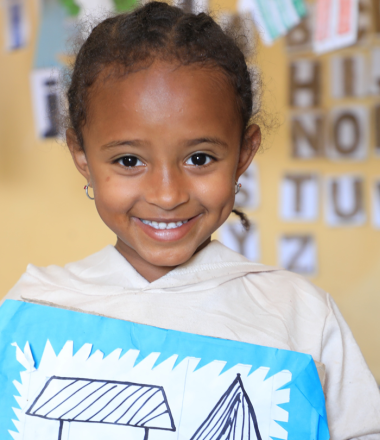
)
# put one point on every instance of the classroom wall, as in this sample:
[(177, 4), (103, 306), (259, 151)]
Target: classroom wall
[(47, 219)]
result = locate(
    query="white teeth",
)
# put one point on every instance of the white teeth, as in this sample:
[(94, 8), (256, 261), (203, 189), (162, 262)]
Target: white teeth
[(163, 225)]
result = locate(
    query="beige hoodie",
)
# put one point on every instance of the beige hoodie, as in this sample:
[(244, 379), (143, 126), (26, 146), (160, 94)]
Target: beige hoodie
[(220, 293)]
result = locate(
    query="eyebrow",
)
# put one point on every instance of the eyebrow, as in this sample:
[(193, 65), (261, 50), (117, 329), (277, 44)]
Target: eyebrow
[(206, 140), (118, 143), (189, 143)]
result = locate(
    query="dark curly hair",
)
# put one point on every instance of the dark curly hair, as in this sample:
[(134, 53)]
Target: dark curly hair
[(130, 41)]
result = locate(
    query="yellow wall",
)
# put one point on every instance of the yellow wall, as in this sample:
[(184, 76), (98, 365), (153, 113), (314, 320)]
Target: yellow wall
[(47, 219)]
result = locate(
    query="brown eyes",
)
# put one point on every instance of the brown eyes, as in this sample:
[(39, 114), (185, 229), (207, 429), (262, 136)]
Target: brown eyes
[(199, 159), (130, 161)]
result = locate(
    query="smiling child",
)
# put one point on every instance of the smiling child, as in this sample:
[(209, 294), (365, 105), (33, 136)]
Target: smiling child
[(161, 105)]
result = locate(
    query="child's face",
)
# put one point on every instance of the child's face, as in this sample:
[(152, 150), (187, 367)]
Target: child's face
[(162, 153)]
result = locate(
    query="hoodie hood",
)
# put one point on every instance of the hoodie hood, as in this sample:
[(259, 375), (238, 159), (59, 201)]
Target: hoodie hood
[(108, 273)]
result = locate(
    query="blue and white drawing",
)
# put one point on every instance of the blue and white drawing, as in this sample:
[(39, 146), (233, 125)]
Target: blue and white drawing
[(126, 380)]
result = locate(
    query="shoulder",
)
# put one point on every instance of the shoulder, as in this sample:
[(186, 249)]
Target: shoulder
[(291, 296), (75, 276)]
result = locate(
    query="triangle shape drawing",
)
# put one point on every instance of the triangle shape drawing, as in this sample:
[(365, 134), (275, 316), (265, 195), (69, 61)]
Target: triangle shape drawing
[(232, 418)]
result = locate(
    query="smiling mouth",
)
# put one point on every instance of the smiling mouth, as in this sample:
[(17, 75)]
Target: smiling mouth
[(164, 225)]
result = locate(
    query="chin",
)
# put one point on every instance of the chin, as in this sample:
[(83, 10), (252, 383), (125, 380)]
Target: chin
[(169, 257)]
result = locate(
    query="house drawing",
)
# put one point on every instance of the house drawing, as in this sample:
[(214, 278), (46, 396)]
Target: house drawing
[(70, 400)]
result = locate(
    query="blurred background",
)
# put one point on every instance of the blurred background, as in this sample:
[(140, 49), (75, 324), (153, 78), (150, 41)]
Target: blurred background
[(312, 193)]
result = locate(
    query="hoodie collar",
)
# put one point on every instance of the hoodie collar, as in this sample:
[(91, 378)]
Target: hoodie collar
[(108, 273)]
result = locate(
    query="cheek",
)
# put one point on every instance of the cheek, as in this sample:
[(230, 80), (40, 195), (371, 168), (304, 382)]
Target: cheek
[(217, 193), (114, 196)]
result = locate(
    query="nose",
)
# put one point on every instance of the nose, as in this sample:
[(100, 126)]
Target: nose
[(166, 188)]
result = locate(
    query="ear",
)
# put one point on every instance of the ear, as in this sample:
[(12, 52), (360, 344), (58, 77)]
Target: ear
[(250, 145), (77, 153)]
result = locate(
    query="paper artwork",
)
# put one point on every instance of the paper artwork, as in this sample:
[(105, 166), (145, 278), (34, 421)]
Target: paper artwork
[(92, 12), (249, 195), (345, 201), (241, 27), (46, 101), (305, 83), (349, 76), (140, 382), (336, 24), (365, 19), (377, 129), (349, 127), (247, 243), (55, 28), (298, 253), (273, 18), (300, 38), (192, 6), (376, 204), (308, 135), (375, 14), (299, 197), (375, 71), (16, 24)]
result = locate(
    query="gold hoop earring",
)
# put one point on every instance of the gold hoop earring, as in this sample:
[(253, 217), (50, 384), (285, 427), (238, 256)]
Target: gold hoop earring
[(87, 194)]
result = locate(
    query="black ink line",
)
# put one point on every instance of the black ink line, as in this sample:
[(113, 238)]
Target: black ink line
[(72, 383), (113, 398), (122, 403), (60, 430), (84, 386), (222, 421), (157, 416), (107, 391), (138, 398), (142, 406), (140, 422), (85, 398)]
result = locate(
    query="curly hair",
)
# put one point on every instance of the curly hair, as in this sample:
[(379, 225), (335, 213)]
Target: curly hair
[(130, 41)]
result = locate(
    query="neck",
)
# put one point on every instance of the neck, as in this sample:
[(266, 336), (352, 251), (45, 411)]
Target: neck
[(149, 271)]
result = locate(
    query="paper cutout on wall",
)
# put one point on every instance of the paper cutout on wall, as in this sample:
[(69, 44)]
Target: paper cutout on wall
[(365, 18), (377, 129), (345, 201), (95, 10), (273, 18), (46, 101), (349, 127), (299, 197), (16, 25), (247, 243), (375, 15), (300, 38), (298, 253), (336, 24), (349, 76), (305, 83), (375, 71), (193, 6), (56, 27), (376, 204), (308, 135), (249, 195), (241, 27), (138, 382)]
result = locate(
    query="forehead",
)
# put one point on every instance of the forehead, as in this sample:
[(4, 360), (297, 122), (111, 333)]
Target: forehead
[(163, 93)]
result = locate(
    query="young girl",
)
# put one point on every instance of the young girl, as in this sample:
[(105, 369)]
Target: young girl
[(161, 104)]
